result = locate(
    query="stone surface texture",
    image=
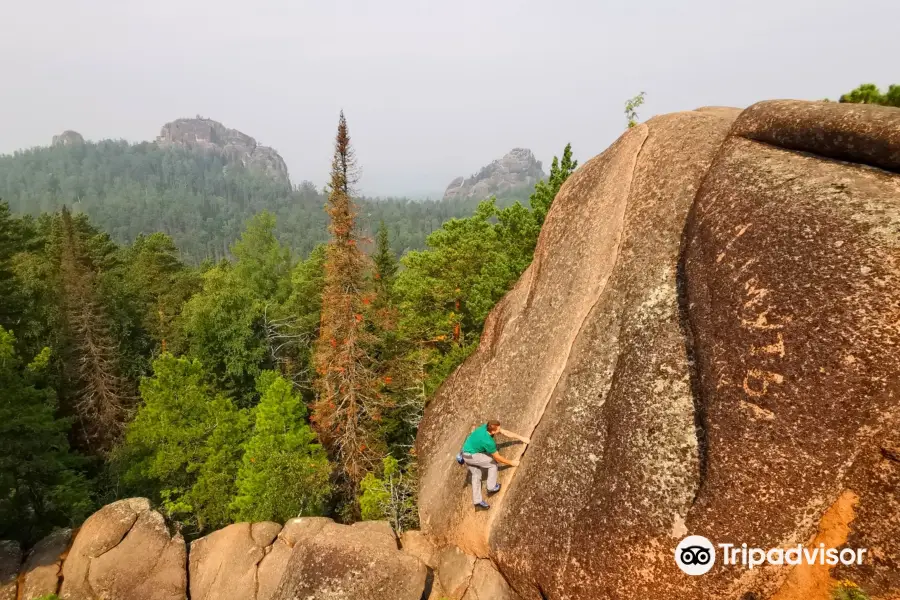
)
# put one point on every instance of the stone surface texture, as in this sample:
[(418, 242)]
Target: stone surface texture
[(705, 343)]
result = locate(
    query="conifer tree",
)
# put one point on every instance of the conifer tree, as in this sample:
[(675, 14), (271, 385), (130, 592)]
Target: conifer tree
[(348, 403), (43, 486), (284, 471), (11, 307), (98, 395), (386, 263), (546, 189)]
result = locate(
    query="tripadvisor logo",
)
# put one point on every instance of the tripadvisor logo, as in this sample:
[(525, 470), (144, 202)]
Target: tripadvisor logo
[(696, 555)]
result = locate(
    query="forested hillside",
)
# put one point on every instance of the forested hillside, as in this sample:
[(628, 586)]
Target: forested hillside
[(197, 198), (258, 387)]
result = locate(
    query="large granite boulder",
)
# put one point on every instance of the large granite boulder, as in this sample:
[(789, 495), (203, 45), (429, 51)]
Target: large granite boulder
[(793, 284), (335, 562), (705, 343), (225, 564), (125, 550)]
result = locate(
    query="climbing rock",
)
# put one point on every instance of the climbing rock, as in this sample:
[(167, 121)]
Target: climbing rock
[(605, 268), (43, 567), (10, 559), (792, 270), (705, 343), (334, 561), (225, 563), (125, 550)]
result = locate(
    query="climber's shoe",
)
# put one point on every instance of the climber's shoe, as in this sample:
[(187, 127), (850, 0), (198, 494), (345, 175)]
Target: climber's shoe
[(494, 490), (483, 505)]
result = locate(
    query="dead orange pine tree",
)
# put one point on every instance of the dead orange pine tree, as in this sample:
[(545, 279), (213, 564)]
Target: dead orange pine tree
[(96, 392), (348, 402)]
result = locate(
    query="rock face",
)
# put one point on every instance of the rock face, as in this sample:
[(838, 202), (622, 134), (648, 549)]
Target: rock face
[(43, 567), (793, 277), (331, 562), (125, 551), (68, 138), (235, 146), (518, 169), (705, 343), (225, 564)]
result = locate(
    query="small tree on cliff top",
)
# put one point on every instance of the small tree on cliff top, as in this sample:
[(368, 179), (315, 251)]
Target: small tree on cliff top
[(348, 404), (631, 109)]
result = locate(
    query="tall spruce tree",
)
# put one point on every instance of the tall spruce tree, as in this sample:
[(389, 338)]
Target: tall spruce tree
[(386, 263), (348, 403), (96, 392), (11, 304)]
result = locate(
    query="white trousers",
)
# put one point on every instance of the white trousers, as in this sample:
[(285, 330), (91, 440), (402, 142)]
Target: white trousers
[(475, 463)]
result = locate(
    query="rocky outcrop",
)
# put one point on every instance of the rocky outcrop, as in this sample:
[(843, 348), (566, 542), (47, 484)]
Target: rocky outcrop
[(459, 576), (792, 272), (225, 564), (518, 170), (42, 570), (68, 138), (125, 550), (705, 343), (416, 544), (237, 147), (334, 561)]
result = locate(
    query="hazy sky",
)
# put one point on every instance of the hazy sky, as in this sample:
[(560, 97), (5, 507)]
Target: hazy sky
[(431, 90)]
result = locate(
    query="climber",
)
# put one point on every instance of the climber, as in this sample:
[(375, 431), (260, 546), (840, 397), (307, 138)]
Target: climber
[(480, 452)]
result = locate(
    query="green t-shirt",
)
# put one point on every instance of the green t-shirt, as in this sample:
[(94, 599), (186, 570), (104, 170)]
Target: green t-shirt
[(480, 441)]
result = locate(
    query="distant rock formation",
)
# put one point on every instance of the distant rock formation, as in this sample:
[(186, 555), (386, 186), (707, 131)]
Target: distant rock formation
[(706, 344), (68, 138), (235, 146), (518, 169)]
